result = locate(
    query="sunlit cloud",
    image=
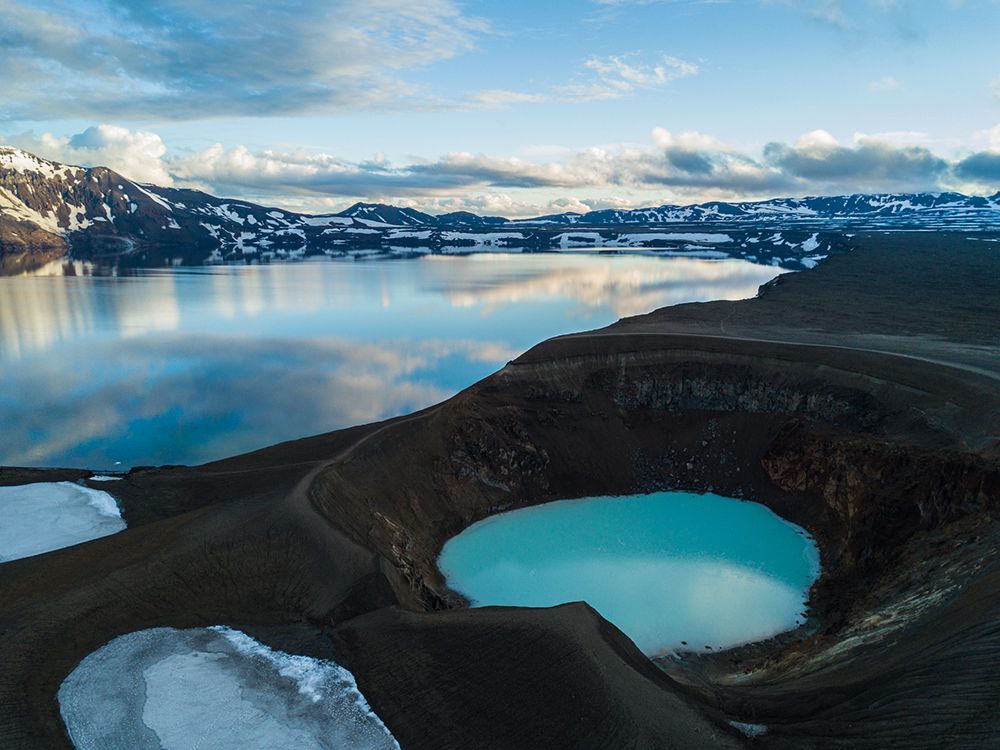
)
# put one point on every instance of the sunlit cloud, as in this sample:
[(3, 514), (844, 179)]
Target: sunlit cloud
[(678, 167), (137, 154)]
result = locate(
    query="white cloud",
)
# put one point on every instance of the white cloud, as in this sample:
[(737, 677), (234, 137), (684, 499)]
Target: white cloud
[(500, 98), (895, 137), (137, 155), (994, 138), (504, 204), (614, 76), (816, 141), (681, 167), (690, 140), (688, 164), (602, 78)]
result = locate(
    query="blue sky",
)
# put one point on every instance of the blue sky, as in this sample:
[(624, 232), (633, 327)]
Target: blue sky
[(513, 108)]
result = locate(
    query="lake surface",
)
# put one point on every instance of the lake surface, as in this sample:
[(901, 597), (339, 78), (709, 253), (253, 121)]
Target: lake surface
[(214, 688), (190, 365), (673, 570)]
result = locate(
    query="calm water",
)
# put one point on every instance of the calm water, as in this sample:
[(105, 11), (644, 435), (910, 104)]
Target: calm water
[(190, 365), (673, 570)]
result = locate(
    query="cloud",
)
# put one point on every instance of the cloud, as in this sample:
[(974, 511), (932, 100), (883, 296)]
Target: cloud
[(631, 288), (995, 87), (830, 13), (867, 165), (504, 204), (614, 76), (138, 155), (602, 78), (686, 164), (179, 59), (884, 84), (238, 169), (680, 167), (500, 98), (982, 168), (312, 385), (863, 18)]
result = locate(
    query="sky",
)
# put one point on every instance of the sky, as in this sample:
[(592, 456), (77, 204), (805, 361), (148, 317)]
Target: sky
[(515, 108)]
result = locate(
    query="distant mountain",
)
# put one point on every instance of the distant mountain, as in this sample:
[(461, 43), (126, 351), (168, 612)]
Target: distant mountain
[(380, 213), (49, 210), (469, 219), (844, 208)]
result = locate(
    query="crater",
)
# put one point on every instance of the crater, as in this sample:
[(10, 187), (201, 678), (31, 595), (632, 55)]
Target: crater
[(675, 571)]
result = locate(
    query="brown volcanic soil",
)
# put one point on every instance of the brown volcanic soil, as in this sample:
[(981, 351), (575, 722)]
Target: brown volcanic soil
[(860, 399)]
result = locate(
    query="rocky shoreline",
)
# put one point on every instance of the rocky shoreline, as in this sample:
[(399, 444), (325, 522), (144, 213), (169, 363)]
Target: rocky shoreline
[(859, 400)]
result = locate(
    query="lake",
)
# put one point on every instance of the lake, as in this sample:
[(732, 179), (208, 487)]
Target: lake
[(188, 365), (675, 571)]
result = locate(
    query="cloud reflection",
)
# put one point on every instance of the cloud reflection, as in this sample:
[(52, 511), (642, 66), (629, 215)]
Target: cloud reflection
[(625, 285), (190, 365), (189, 400)]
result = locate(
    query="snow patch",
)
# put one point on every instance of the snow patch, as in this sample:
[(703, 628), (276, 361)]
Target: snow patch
[(214, 687), (45, 516)]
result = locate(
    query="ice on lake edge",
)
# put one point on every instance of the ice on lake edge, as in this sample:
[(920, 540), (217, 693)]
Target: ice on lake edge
[(46, 516), (214, 687)]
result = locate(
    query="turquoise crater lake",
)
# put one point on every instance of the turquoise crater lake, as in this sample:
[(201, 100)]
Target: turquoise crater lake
[(673, 570)]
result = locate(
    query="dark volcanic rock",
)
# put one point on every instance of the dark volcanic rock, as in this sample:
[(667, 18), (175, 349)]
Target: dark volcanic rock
[(430, 673)]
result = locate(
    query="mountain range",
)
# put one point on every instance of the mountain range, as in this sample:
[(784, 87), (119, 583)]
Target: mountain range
[(50, 211)]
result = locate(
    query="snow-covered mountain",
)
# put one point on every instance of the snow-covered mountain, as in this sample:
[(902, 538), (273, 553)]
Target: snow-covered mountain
[(48, 210), (870, 209), (381, 214)]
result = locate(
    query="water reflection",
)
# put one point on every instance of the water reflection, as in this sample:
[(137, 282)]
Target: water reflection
[(188, 365)]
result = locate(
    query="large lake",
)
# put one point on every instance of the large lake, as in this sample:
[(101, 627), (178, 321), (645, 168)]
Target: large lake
[(189, 365)]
